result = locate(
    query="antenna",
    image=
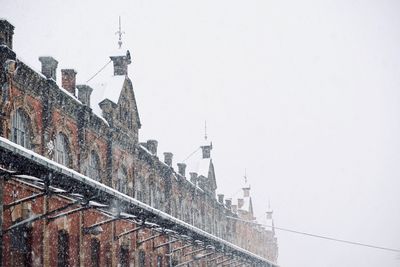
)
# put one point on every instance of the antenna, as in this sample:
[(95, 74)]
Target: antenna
[(120, 33)]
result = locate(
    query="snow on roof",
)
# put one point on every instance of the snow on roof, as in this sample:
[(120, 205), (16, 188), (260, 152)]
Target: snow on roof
[(105, 86), (246, 204), (203, 167)]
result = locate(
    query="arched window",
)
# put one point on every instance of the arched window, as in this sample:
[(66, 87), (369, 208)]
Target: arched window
[(61, 153), (95, 252), (63, 249), (94, 166), (20, 131), (122, 180)]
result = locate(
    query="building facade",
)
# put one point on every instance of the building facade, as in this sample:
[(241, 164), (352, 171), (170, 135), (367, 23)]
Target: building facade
[(93, 129)]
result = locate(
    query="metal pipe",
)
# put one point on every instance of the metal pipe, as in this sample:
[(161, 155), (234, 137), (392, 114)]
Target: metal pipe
[(138, 243), (194, 251), (166, 243), (180, 248), (216, 258), (67, 213), (38, 217), (19, 201), (128, 232)]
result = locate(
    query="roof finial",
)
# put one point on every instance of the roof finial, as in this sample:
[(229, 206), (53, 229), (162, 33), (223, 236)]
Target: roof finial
[(245, 176), (205, 130), (119, 32)]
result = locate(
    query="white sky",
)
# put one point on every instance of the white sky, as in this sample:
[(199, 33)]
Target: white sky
[(303, 94)]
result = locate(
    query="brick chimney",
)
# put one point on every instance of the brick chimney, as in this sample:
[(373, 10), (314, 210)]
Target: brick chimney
[(152, 146), (221, 198), (84, 92), (234, 208), (228, 203), (6, 33), (68, 80), (49, 67), (182, 169), (193, 177), (121, 63), (206, 149), (168, 158)]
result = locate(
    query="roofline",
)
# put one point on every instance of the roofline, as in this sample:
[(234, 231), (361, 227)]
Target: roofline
[(15, 151)]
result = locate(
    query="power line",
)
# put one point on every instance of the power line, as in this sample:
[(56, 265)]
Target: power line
[(102, 68), (191, 154), (321, 236)]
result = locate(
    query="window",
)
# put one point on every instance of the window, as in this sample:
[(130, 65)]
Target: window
[(63, 249), (21, 246), (108, 256), (142, 258), (121, 182), (95, 252), (94, 166), (124, 256), (62, 150), (159, 261), (20, 130)]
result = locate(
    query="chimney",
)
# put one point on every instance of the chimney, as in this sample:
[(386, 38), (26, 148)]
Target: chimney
[(84, 92), (152, 146), (143, 144), (234, 208), (121, 63), (168, 158), (49, 67), (240, 203), (182, 169), (221, 198), (206, 151), (68, 80), (6, 33), (228, 203), (193, 177), (246, 191)]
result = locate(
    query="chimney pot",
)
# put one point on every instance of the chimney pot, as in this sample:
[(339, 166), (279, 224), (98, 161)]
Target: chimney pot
[(152, 146), (84, 92), (168, 158), (6, 33), (182, 169), (68, 80), (49, 67)]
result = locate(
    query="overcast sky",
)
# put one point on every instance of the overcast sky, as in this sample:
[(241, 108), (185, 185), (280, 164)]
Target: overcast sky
[(303, 94)]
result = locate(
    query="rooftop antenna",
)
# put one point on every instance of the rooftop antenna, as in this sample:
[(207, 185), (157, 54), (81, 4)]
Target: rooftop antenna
[(120, 33)]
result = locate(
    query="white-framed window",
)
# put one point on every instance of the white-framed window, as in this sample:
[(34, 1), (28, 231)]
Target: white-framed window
[(94, 166), (61, 153), (20, 130), (122, 184)]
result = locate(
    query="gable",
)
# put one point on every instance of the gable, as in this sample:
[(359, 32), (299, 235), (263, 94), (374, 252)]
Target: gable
[(128, 113)]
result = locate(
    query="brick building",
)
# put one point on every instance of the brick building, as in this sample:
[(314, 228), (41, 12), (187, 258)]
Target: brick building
[(91, 132)]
